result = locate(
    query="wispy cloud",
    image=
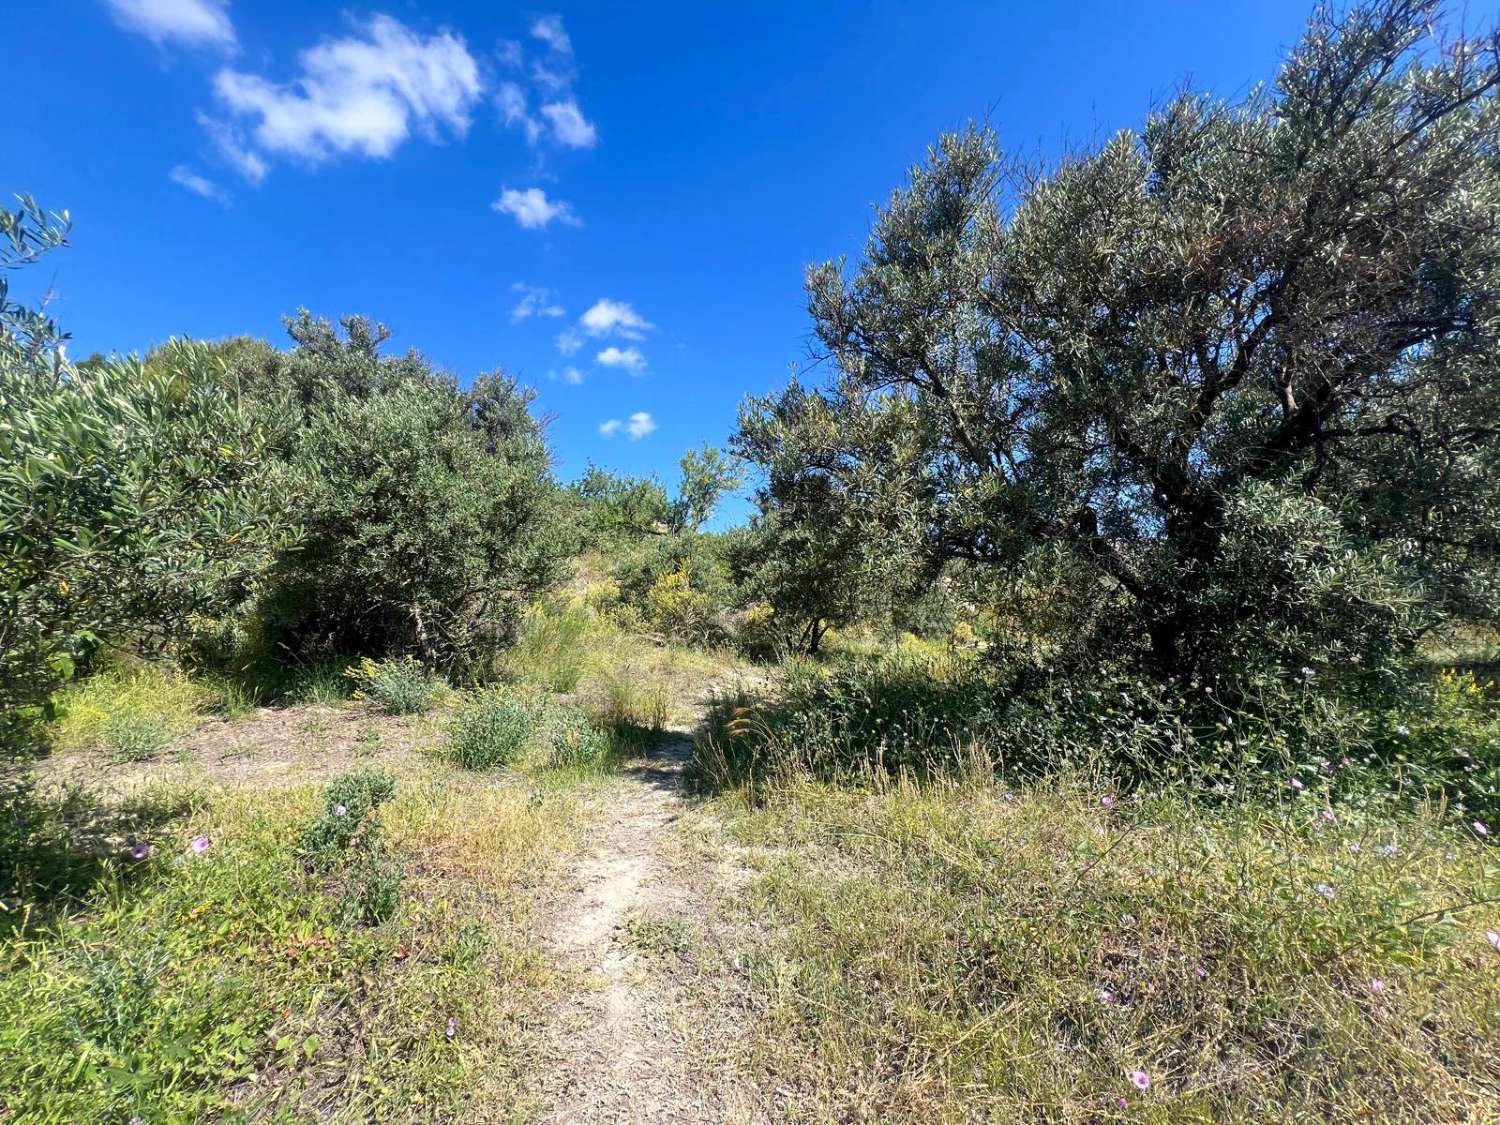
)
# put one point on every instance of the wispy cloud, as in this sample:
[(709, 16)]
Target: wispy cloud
[(362, 94), (533, 210), (198, 185), (549, 29), (570, 375), (606, 316), (629, 358), (569, 340), (230, 141), (194, 23), (637, 426), (535, 301), (559, 117), (510, 100)]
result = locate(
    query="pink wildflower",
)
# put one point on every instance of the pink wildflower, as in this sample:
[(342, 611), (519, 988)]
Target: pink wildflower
[(1140, 1080), (200, 845)]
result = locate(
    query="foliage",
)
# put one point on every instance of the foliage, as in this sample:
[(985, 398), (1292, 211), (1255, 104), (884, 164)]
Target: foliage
[(558, 643), (936, 716), (574, 742), (634, 705), (816, 558), (431, 515), (132, 497), (397, 687), (707, 477), (372, 889), (1286, 304), (348, 818), (491, 729), (28, 338), (616, 506), (135, 737), (148, 696), (619, 508)]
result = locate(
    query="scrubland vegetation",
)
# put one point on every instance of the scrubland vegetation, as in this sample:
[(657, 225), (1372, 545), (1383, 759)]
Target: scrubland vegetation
[(1098, 710)]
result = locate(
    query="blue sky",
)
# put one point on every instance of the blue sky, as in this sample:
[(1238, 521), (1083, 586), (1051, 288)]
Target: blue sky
[(613, 202)]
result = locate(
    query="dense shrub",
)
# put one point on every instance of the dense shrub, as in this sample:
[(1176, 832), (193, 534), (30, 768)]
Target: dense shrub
[(134, 497), (682, 587), (491, 729), (397, 687), (431, 521), (943, 716)]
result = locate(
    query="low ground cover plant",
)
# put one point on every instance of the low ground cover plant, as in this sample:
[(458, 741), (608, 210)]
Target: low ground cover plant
[(397, 686), (953, 953), (199, 968)]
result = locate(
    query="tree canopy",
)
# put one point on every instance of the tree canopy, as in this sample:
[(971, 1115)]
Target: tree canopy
[(1245, 324)]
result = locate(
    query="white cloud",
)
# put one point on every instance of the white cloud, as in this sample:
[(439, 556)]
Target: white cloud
[(198, 185), (637, 426), (552, 78), (628, 358), (549, 29), (510, 100), (605, 316), (535, 301), (533, 210), (362, 94), (569, 341), (572, 376), (193, 22), (231, 145), (569, 125)]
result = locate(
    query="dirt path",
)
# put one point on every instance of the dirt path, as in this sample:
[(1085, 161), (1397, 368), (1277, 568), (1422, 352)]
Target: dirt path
[(626, 1047)]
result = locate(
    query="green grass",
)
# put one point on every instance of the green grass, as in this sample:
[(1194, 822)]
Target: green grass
[(243, 984), (134, 713), (570, 645), (961, 952)]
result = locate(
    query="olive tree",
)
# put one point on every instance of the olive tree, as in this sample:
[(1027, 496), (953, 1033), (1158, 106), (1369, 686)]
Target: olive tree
[(1276, 318)]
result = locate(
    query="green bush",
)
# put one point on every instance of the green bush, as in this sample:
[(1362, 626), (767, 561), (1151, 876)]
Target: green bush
[(940, 716), (398, 687), (431, 516), (348, 814), (491, 729), (576, 743), (555, 646), (134, 497)]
